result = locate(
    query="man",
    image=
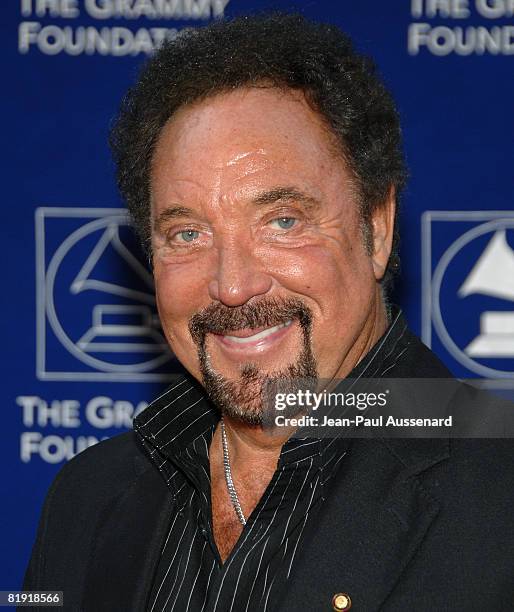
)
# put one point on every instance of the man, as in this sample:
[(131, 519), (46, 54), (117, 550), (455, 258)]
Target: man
[(261, 162)]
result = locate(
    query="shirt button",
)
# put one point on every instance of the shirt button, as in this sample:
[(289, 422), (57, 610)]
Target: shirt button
[(341, 602)]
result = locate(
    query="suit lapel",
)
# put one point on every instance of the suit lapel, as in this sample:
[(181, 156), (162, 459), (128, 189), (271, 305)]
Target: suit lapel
[(369, 527), (125, 553)]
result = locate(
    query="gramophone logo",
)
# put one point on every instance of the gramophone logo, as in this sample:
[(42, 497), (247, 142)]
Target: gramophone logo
[(96, 315), (468, 290)]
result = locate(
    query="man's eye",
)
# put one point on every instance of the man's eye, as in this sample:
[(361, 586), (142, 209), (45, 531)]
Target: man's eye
[(285, 222), (187, 235)]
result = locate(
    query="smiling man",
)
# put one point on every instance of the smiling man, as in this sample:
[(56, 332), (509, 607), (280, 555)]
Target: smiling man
[(261, 162), (257, 227)]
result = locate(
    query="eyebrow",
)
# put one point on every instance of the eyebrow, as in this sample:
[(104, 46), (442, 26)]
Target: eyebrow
[(172, 212), (286, 194)]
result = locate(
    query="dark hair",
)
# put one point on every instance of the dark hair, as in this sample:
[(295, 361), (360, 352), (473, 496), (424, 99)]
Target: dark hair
[(282, 50)]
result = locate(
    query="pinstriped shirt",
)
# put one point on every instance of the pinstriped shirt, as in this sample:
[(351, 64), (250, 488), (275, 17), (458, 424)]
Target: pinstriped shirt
[(176, 431)]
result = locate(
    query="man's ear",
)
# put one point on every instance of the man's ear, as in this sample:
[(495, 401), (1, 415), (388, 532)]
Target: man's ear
[(382, 225)]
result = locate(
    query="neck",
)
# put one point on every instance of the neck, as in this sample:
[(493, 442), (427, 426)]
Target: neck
[(253, 443)]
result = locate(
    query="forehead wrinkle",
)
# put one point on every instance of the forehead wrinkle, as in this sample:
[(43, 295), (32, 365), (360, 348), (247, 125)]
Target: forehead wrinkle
[(239, 168)]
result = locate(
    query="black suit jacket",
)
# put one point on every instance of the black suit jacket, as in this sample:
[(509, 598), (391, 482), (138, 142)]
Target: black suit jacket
[(411, 525)]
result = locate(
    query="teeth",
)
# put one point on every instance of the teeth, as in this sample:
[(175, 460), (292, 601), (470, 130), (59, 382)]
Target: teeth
[(259, 335)]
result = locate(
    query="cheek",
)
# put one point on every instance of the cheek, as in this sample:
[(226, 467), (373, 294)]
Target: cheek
[(323, 273), (179, 290), (179, 296), (338, 285)]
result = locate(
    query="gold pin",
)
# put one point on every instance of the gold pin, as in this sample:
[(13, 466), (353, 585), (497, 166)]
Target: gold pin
[(341, 602)]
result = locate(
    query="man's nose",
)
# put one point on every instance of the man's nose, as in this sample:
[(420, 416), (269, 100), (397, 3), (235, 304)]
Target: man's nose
[(238, 275)]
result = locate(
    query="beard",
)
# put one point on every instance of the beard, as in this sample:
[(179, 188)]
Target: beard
[(250, 397)]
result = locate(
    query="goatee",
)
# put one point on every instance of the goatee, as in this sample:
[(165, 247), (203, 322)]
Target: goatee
[(249, 398)]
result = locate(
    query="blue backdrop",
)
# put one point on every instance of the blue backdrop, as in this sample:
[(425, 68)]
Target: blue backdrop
[(83, 352)]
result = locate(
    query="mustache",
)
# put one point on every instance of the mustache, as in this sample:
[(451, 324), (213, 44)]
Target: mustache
[(267, 312)]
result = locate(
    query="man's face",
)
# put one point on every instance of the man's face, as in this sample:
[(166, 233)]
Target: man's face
[(259, 260)]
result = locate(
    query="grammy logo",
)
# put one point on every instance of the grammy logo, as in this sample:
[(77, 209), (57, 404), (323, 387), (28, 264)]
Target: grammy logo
[(493, 275)]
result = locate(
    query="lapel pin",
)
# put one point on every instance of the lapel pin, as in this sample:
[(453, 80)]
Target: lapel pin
[(341, 602)]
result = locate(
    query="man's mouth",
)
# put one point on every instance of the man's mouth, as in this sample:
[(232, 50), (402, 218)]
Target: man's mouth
[(250, 326), (249, 336)]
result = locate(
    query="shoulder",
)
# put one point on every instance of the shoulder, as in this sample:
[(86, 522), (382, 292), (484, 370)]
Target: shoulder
[(82, 492), (113, 453), (413, 359), (99, 471), (481, 458), (475, 486), (483, 464)]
